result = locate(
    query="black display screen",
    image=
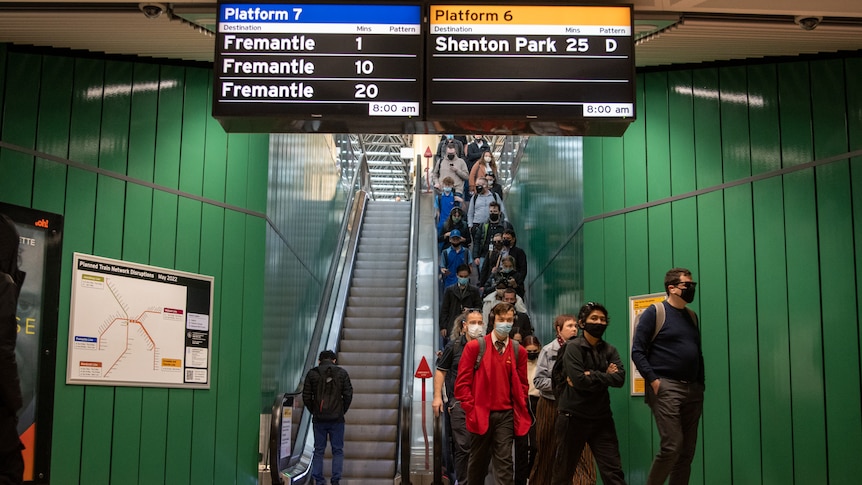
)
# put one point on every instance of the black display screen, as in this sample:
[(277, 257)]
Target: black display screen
[(317, 62)]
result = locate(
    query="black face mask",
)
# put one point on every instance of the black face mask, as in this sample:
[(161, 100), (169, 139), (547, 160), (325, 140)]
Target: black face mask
[(687, 294), (450, 156), (532, 355), (595, 329), (494, 217), (507, 242)]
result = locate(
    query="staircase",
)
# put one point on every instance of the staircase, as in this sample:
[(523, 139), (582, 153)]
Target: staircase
[(371, 345)]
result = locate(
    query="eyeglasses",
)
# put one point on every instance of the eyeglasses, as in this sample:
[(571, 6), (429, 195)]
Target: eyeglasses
[(687, 283)]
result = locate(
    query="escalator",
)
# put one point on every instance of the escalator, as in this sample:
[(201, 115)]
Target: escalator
[(371, 344)]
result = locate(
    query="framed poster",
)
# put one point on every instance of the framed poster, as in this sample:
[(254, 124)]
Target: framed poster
[(637, 305), (138, 325)]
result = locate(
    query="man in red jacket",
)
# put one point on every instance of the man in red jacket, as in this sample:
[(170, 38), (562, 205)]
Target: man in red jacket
[(493, 395)]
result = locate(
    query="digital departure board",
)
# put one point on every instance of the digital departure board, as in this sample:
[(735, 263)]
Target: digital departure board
[(569, 69), (316, 67)]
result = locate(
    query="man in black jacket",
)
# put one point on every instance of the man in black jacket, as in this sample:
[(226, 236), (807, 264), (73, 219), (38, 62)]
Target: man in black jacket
[(328, 421), (590, 365), (457, 298), (11, 279)]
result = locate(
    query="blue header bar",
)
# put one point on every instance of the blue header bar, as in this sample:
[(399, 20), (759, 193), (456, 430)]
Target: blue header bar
[(319, 13)]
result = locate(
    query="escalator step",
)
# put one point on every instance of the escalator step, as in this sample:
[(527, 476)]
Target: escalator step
[(368, 358), (376, 386), (388, 324), (376, 301), (372, 416), (374, 401), (395, 333), (370, 312), (373, 371), (393, 346), (370, 432)]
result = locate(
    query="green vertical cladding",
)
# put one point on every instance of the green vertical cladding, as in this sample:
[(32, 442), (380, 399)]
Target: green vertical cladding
[(853, 71), (637, 457), (613, 174), (657, 135), (680, 120), (151, 123), (707, 129), (772, 330), (49, 178), (712, 274), (734, 147), (634, 147), (21, 105), (745, 440), (779, 298), (835, 235)]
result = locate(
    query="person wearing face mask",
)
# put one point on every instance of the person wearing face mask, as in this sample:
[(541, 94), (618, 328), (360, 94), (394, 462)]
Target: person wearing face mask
[(584, 415), (484, 234), (509, 273), (496, 296), (493, 186), (565, 328), (455, 221), (453, 166), (485, 165), (480, 204), (445, 141), (475, 150), (445, 201), (467, 327), (670, 359), (510, 242), (453, 257), (456, 298), (493, 392)]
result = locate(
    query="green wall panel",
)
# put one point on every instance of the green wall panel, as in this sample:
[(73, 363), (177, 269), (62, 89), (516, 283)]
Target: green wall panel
[(635, 155), (745, 442), (656, 114), (21, 104), (707, 131), (835, 234), (733, 135), (681, 126), (712, 273)]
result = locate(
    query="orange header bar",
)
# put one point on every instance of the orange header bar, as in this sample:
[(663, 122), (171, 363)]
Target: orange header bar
[(529, 15)]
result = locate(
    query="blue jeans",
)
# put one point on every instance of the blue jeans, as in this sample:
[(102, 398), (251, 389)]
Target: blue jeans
[(335, 432)]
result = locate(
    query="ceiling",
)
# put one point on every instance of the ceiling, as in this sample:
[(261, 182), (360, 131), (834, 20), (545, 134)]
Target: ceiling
[(669, 31)]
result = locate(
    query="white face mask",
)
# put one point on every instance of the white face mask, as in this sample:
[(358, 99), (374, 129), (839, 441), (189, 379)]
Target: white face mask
[(475, 330), (487, 159)]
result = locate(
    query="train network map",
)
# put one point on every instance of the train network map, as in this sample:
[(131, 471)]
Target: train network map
[(138, 325)]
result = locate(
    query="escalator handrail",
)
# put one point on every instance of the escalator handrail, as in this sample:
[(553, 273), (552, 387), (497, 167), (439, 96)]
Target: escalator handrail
[(406, 401), (330, 314)]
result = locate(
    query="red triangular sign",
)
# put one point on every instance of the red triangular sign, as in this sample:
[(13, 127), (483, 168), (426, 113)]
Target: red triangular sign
[(423, 372), (428, 152)]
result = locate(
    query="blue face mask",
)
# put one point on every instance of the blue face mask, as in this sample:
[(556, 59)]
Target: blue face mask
[(463, 281), (503, 327), (447, 190)]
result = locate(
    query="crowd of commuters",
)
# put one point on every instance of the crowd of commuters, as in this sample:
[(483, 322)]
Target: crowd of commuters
[(523, 413)]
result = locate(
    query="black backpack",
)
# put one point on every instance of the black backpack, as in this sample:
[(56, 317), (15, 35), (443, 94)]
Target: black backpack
[(558, 375), (328, 402)]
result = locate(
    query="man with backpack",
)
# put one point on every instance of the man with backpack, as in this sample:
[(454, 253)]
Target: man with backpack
[(666, 349), (492, 389), (327, 393)]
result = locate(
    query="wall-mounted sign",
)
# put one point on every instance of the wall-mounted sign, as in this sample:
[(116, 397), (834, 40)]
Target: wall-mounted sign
[(304, 67), (138, 325), (637, 305), (534, 63)]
